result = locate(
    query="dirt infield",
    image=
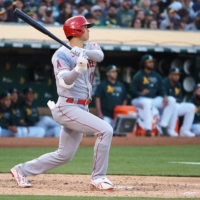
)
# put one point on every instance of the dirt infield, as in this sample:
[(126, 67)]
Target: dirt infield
[(125, 186), (89, 141)]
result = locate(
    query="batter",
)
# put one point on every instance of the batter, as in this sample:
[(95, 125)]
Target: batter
[(73, 73)]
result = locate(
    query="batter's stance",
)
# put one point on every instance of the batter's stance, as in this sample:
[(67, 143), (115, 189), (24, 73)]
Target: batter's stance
[(74, 73)]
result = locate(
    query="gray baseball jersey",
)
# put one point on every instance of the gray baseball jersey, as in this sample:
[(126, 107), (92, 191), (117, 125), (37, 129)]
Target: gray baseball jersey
[(75, 120)]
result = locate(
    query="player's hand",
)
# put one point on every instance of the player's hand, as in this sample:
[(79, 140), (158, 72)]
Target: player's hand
[(13, 129), (81, 64), (165, 101), (76, 50), (144, 92)]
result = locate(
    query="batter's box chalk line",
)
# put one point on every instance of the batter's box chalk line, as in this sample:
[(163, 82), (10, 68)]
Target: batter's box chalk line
[(190, 193), (186, 163), (124, 187)]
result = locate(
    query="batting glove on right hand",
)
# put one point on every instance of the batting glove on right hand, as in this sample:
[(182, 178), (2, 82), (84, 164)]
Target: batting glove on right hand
[(81, 64), (76, 50)]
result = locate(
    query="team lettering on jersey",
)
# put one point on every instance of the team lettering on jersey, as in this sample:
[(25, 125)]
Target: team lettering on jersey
[(145, 80), (90, 64), (58, 64), (110, 89), (177, 91)]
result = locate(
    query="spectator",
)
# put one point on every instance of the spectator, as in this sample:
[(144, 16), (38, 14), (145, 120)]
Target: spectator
[(195, 25), (168, 22), (51, 6), (153, 24), (148, 17), (31, 14), (80, 9), (19, 4), (45, 14), (23, 129), (115, 3), (196, 6), (96, 12), (1, 3), (104, 7), (66, 13), (183, 24), (111, 20), (175, 5), (109, 94), (182, 109), (31, 116), (7, 124), (188, 4), (196, 101), (89, 18), (136, 23), (3, 15), (147, 92), (140, 15), (145, 5), (125, 14), (9, 9)]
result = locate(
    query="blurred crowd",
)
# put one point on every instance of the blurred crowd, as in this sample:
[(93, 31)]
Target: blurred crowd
[(150, 14)]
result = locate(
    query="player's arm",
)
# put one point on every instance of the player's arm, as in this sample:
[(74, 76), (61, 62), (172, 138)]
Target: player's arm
[(65, 75), (95, 53), (134, 87), (180, 95), (124, 99), (162, 90)]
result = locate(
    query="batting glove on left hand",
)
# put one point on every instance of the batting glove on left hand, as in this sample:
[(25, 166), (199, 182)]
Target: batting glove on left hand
[(76, 50)]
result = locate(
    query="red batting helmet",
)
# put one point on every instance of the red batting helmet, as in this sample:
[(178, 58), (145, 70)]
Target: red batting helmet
[(74, 26)]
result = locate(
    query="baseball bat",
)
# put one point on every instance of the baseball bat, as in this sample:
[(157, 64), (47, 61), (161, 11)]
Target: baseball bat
[(37, 26)]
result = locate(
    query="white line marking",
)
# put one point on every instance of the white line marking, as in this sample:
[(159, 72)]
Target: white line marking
[(187, 163), (190, 193), (123, 187)]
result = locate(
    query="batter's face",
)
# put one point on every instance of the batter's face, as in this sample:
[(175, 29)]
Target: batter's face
[(29, 96), (85, 35), (175, 77), (14, 97), (6, 102), (112, 75)]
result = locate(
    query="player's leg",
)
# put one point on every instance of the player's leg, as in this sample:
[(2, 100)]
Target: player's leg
[(53, 132), (146, 105), (6, 133), (166, 111), (196, 129), (79, 120), (68, 144), (32, 131), (173, 120), (188, 111)]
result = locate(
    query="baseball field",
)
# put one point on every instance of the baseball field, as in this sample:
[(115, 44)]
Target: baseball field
[(140, 168)]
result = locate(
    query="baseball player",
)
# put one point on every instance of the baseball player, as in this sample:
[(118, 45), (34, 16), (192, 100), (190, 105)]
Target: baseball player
[(185, 109), (148, 92), (23, 129), (31, 116), (109, 94), (73, 73), (196, 101)]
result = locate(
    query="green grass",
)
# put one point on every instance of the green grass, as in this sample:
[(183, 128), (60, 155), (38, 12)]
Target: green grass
[(123, 160), (15, 197)]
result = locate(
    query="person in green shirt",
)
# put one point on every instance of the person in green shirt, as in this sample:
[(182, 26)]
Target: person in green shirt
[(185, 109), (196, 101), (124, 14), (109, 94), (24, 129), (7, 123), (147, 91), (31, 116)]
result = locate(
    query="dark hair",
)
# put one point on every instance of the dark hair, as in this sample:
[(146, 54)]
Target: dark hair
[(149, 22), (133, 21), (44, 1), (89, 16), (69, 38)]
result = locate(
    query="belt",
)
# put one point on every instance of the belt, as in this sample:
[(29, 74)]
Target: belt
[(79, 101)]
